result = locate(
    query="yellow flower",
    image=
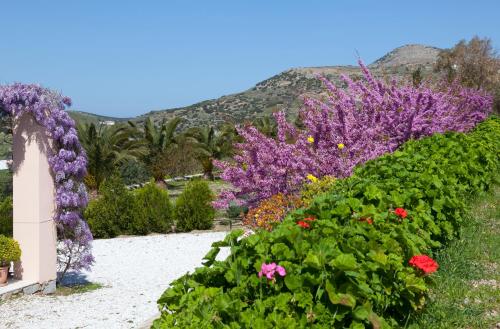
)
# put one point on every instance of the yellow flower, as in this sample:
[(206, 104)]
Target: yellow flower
[(244, 166), (340, 146), (312, 178), (310, 139)]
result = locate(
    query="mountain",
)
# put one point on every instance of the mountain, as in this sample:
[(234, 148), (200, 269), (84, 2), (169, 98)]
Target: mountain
[(284, 91), (410, 56), (86, 117)]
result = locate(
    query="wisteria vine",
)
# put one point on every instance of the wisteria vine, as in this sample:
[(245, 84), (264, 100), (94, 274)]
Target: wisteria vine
[(351, 126), (68, 164)]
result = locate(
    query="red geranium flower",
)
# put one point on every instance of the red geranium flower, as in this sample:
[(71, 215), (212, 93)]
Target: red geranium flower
[(400, 212), (368, 220), (424, 263), (310, 219), (303, 224)]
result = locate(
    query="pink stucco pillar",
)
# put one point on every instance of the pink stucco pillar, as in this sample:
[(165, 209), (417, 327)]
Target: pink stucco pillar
[(34, 205)]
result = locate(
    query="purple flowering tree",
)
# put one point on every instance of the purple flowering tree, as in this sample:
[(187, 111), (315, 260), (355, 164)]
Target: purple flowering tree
[(68, 165), (351, 126)]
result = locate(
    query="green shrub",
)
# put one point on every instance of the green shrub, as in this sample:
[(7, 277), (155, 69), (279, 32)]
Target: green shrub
[(156, 209), (134, 172), (193, 208), (5, 183), (9, 251), (235, 211), (112, 213), (6, 217), (316, 187), (348, 268)]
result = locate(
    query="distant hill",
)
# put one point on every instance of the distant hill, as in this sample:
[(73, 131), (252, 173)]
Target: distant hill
[(85, 117), (283, 91)]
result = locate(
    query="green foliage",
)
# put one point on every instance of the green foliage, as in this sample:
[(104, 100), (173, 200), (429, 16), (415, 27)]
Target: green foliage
[(156, 210), (5, 183), (119, 211), (107, 148), (313, 189), (193, 208), (235, 211), (211, 144), (6, 217), (343, 272), (134, 172), (114, 211), (159, 140), (9, 250), (465, 289)]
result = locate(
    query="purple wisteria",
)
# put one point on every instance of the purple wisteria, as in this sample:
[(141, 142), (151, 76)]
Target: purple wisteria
[(351, 126), (68, 164)]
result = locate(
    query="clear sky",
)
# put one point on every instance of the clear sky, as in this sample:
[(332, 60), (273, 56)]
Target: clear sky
[(124, 58)]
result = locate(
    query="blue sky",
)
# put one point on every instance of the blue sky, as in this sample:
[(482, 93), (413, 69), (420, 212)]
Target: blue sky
[(124, 58)]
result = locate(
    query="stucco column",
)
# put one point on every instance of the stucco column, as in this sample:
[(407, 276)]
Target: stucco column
[(34, 202)]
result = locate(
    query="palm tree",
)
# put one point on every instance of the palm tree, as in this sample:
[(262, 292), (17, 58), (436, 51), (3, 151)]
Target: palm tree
[(108, 147), (212, 144), (159, 139)]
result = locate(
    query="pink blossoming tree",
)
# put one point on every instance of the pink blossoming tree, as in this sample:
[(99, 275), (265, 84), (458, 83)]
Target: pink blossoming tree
[(351, 126)]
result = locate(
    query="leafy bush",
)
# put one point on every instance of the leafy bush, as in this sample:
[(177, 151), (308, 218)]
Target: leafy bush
[(316, 187), (5, 183), (193, 209), (270, 212), (348, 266), (118, 211), (114, 211), (134, 172), (156, 210), (9, 250), (6, 217)]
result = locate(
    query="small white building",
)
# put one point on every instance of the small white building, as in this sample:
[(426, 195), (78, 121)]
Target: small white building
[(4, 164), (107, 123)]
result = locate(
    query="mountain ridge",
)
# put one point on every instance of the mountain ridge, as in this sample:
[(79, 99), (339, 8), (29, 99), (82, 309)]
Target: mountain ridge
[(284, 90)]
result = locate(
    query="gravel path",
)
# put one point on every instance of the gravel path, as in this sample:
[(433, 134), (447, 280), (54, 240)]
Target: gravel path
[(135, 271)]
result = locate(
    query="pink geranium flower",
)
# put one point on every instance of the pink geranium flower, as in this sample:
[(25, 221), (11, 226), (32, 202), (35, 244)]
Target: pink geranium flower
[(270, 270)]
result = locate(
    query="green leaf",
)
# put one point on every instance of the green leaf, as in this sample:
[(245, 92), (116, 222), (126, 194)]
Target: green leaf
[(345, 262), (293, 282), (209, 259), (378, 256), (373, 193), (357, 325), (312, 260), (339, 299), (361, 313)]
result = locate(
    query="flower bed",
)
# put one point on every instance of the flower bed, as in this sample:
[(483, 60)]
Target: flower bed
[(364, 257)]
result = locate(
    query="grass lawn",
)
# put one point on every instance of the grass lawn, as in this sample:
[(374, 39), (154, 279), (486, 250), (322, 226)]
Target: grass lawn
[(466, 289), (77, 289)]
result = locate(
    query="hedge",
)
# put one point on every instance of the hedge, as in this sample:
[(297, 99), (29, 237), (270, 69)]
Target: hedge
[(348, 268)]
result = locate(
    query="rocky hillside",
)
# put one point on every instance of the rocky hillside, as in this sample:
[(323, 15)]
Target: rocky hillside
[(285, 90)]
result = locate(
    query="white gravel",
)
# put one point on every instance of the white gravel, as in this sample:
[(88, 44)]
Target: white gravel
[(135, 271)]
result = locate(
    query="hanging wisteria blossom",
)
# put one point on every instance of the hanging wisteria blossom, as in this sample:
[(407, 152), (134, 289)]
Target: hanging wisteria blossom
[(68, 164)]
